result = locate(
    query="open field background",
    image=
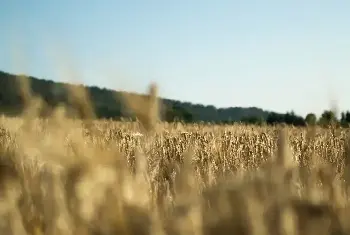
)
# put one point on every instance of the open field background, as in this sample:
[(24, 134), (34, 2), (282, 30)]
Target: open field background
[(63, 176), (66, 174)]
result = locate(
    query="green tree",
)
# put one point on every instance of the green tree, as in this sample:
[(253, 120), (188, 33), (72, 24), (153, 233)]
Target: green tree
[(177, 112), (327, 118), (311, 119), (256, 120), (274, 118), (345, 119), (291, 118)]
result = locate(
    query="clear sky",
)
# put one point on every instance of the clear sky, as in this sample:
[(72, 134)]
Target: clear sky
[(277, 55)]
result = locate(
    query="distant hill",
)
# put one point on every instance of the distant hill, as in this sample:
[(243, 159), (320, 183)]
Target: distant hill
[(108, 103)]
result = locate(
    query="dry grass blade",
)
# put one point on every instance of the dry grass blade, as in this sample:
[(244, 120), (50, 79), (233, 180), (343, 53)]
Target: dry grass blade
[(145, 108), (284, 157)]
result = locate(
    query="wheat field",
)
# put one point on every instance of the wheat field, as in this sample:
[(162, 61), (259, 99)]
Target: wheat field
[(66, 176)]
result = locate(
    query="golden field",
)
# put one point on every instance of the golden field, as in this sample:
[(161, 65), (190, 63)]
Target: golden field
[(64, 176)]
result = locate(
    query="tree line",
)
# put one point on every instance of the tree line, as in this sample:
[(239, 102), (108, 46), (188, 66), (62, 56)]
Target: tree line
[(328, 117), (108, 104)]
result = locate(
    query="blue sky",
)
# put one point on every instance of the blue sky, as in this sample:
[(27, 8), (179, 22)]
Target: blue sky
[(277, 55)]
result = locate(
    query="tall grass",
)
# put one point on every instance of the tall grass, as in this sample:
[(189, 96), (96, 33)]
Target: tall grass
[(60, 175)]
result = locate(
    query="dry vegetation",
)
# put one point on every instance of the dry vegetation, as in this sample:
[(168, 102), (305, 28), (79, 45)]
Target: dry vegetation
[(64, 176)]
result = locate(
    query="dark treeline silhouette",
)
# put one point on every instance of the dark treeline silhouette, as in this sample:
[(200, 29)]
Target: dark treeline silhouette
[(327, 118), (109, 104)]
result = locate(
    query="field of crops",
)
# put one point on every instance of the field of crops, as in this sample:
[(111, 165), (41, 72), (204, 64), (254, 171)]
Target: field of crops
[(65, 176), (105, 177)]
